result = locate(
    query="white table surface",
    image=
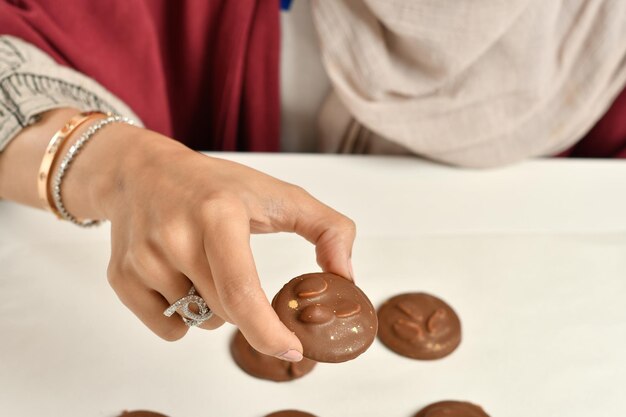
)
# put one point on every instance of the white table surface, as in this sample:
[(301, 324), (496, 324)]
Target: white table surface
[(532, 257)]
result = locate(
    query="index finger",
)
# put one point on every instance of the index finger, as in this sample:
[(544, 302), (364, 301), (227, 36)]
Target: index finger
[(227, 247), (331, 232)]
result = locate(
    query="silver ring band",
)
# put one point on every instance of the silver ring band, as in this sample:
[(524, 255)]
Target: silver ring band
[(190, 318)]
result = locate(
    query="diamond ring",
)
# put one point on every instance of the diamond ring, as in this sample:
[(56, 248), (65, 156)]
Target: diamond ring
[(189, 317)]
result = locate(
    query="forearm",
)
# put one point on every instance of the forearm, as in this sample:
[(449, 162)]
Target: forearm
[(32, 84), (20, 160), (91, 175)]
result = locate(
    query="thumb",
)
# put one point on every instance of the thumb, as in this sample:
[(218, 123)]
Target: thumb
[(271, 338)]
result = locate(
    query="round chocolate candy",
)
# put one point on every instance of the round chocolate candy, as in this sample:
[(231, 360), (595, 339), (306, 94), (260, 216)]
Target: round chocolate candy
[(141, 413), (451, 409), (332, 317), (263, 366), (419, 326), (290, 413)]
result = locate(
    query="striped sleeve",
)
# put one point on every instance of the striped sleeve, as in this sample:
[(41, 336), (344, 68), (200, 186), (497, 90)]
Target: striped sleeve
[(31, 82)]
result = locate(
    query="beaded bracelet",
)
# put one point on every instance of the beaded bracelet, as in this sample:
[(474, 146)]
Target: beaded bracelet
[(67, 160)]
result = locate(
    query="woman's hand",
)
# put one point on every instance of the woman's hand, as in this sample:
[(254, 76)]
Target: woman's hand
[(180, 218)]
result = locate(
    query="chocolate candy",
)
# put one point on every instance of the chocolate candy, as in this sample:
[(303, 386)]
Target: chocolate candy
[(266, 367), (419, 326), (332, 317), (290, 413), (141, 413), (451, 409)]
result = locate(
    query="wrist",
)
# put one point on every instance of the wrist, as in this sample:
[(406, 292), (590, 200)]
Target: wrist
[(89, 181), (96, 183), (21, 160)]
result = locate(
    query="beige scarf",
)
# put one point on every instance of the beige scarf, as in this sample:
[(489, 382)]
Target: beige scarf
[(470, 83)]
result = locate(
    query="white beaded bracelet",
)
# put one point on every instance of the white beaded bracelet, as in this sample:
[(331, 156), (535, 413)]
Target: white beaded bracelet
[(67, 160)]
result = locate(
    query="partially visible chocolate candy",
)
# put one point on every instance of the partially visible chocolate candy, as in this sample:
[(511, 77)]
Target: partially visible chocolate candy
[(290, 413), (141, 413), (419, 326), (266, 367), (451, 409), (332, 317)]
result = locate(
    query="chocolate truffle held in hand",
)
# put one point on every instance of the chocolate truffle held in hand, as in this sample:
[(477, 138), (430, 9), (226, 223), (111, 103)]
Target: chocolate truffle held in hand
[(332, 317)]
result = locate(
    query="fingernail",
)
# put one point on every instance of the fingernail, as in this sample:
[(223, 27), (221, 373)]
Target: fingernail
[(291, 355)]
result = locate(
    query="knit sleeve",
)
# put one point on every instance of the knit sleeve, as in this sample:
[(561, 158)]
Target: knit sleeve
[(31, 82)]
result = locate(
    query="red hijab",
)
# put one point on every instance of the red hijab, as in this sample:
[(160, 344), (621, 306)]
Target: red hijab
[(203, 72)]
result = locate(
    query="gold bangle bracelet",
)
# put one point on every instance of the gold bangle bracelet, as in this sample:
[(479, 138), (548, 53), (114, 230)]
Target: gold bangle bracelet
[(50, 156)]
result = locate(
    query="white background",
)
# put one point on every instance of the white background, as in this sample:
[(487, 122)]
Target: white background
[(532, 257)]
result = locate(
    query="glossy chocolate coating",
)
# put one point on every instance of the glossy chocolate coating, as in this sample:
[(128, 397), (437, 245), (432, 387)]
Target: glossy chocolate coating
[(141, 413), (451, 409), (419, 326), (332, 317), (263, 366), (290, 413)]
